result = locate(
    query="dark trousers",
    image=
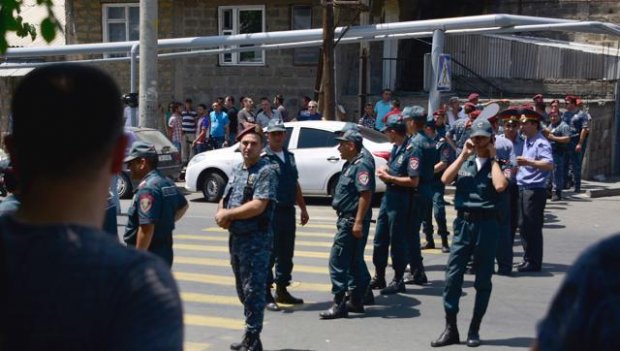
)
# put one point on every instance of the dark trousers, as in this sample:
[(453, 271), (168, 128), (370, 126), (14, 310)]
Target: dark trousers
[(573, 161), (392, 230), (419, 206), (438, 209), (513, 189), (558, 172), (249, 257), (471, 238), (283, 227), (531, 217), (345, 256), (504, 253)]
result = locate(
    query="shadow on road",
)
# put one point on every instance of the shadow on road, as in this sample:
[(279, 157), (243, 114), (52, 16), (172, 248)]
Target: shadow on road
[(510, 342)]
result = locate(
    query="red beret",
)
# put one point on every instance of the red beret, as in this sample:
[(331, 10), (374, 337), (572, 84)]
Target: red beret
[(473, 96), (256, 129), (475, 113), (572, 99), (439, 112)]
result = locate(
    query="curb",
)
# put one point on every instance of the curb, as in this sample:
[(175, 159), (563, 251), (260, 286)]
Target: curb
[(603, 192)]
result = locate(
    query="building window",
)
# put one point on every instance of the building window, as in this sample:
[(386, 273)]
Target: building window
[(242, 20), (121, 22), (301, 18)]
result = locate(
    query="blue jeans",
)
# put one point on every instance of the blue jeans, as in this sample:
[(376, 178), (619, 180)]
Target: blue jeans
[(574, 160), (558, 171)]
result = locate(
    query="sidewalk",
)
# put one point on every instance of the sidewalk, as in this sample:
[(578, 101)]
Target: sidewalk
[(590, 188)]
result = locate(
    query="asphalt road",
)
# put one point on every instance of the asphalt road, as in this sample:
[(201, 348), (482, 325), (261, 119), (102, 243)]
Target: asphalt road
[(408, 321)]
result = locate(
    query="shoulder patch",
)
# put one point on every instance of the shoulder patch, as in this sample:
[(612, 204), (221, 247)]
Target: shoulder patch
[(414, 162), (363, 177), (146, 202)]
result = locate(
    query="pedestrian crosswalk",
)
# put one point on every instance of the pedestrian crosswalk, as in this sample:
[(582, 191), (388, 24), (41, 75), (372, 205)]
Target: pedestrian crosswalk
[(213, 313)]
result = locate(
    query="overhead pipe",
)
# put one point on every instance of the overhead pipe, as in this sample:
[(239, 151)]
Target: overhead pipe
[(445, 24)]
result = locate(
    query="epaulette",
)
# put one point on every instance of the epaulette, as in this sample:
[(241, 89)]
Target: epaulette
[(263, 154), (357, 161)]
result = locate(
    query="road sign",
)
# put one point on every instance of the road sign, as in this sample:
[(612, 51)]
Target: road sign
[(444, 73)]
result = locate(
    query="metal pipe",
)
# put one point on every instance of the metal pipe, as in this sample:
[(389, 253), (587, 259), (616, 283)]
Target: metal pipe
[(133, 70), (434, 95), (469, 22)]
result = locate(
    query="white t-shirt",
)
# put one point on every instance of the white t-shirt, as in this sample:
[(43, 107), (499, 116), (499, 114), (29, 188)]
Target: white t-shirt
[(280, 154), (480, 161)]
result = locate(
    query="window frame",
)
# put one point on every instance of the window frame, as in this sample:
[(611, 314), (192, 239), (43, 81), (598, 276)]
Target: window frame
[(105, 21), (235, 56)]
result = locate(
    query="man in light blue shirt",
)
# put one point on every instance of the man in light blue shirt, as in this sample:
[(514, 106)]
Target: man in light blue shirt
[(382, 108), (220, 126), (535, 164)]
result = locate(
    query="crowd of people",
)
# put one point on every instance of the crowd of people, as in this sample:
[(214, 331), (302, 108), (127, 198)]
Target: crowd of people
[(53, 251)]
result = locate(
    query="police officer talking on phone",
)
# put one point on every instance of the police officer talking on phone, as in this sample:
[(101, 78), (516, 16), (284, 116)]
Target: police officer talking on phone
[(479, 180)]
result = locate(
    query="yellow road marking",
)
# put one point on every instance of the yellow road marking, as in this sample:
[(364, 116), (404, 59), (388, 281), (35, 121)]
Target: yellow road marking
[(195, 346), (217, 262), (225, 239), (210, 299), (214, 322), (230, 281), (298, 233), (212, 248)]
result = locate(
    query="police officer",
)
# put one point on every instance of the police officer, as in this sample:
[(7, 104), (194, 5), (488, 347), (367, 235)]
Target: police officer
[(423, 155), (558, 133), (512, 133), (446, 156), (459, 133), (393, 222), (156, 205), (283, 225), (579, 123), (246, 211), (352, 202), (479, 179), (535, 163)]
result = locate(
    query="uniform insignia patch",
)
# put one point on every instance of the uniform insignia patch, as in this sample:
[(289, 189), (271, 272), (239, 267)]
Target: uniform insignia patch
[(146, 202), (414, 162), (363, 178), (251, 179), (400, 159)]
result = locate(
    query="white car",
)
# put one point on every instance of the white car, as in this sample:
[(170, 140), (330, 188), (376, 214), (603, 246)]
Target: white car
[(316, 154)]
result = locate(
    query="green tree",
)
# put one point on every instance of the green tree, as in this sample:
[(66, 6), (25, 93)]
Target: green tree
[(12, 21)]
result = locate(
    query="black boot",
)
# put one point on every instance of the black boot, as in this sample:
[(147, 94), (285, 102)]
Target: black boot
[(396, 286), (271, 303), (369, 297), (338, 309), (238, 345), (253, 343), (445, 247), (378, 281), (450, 335), (283, 296), (473, 336), (430, 242), (355, 303)]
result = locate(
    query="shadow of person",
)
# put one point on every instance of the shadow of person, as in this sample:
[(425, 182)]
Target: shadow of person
[(391, 307), (510, 342)]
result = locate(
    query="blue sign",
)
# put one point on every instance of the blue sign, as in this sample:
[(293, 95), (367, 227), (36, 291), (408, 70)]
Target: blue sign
[(444, 73)]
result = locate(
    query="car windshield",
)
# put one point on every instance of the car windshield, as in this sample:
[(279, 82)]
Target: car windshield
[(162, 144), (373, 135)]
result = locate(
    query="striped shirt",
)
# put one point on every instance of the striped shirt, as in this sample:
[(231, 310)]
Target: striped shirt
[(189, 121)]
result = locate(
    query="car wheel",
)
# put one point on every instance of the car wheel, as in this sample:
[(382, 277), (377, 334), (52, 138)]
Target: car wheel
[(332, 185), (213, 187), (124, 186)]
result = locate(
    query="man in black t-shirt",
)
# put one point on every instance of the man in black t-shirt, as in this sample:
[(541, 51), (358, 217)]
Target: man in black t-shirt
[(71, 286)]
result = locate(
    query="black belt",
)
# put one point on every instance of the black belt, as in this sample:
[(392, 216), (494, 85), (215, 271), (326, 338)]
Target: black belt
[(399, 188), (346, 215), (476, 215)]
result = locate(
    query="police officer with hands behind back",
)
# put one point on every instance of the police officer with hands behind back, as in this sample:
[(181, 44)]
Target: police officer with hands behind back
[(156, 205), (283, 226), (352, 202), (479, 179), (246, 210)]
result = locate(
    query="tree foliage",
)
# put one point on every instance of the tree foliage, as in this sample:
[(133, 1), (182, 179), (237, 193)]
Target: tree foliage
[(12, 21)]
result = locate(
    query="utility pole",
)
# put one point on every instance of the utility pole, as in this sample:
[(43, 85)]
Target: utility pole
[(364, 72), (148, 64), (328, 91)]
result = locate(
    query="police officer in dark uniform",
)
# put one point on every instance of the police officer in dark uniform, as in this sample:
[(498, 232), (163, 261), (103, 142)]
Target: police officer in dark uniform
[(246, 210), (423, 155), (445, 157), (283, 225), (393, 221), (352, 202), (479, 179), (156, 205)]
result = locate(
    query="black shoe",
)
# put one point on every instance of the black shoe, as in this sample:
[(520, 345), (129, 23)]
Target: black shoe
[(528, 267), (253, 343), (395, 287), (355, 304), (450, 335), (429, 245), (556, 197), (369, 298), (419, 277), (338, 310), (238, 345), (271, 303), (283, 296), (377, 282), (504, 272), (445, 247), (473, 339), (520, 264)]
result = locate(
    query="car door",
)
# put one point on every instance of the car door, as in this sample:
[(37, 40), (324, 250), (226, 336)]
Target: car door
[(317, 159)]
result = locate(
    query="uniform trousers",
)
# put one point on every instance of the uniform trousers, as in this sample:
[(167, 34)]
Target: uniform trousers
[(346, 256), (471, 237), (249, 257), (283, 226), (392, 231), (531, 218)]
